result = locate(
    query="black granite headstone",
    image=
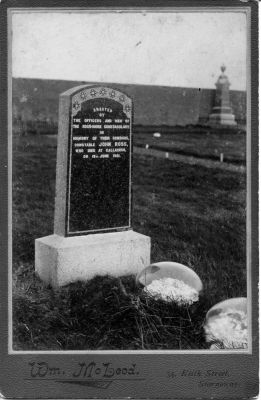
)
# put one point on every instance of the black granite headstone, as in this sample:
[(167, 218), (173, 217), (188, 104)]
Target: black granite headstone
[(99, 165)]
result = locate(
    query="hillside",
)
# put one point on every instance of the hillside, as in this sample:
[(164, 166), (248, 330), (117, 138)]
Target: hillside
[(37, 100)]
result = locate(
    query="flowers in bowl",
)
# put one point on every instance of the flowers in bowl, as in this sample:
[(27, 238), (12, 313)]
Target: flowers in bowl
[(226, 324), (171, 282), (170, 289)]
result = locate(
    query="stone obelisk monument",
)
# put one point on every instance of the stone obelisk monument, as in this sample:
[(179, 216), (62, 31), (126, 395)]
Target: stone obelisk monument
[(222, 114)]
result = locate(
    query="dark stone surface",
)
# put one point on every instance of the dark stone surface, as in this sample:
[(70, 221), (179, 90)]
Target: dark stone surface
[(99, 171)]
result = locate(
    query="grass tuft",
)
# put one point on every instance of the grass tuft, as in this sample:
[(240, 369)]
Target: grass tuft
[(104, 313)]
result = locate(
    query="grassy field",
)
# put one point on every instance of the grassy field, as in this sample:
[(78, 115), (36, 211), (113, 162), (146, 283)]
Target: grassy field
[(201, 144), (194, 215)]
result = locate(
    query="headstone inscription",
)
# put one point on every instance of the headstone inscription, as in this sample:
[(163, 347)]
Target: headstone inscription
[(92, 227), (99, 185)]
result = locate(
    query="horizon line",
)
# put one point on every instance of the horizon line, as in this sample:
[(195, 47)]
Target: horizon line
[(122, 83)]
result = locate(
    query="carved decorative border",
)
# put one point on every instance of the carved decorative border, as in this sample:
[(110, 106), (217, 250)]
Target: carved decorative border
[(100, 92)]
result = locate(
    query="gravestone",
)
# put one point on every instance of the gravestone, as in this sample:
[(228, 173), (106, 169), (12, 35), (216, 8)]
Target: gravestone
[(93, 205)]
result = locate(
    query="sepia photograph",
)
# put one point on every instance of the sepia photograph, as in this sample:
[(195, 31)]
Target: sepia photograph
[(160, 200), (129, 139)]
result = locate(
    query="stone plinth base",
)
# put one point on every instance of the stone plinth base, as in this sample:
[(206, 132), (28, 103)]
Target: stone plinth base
[(61, 260), (222, 119)]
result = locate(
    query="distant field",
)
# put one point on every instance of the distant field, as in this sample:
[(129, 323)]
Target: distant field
[(194, 215), (203, 145), (191, 141)]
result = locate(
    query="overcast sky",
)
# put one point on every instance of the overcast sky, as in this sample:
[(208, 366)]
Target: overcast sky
[(173, 49)]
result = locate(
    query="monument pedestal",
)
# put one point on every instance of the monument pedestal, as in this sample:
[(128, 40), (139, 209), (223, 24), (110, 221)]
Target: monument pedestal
[(220, 118), (62, 260)]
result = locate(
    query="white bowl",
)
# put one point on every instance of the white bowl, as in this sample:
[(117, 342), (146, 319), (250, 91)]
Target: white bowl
[(235, 303), (168, 269)]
